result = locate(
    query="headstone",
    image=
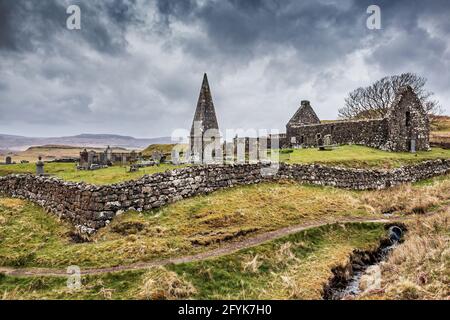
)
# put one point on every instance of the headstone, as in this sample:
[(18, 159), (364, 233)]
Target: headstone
[(320, 143), (91, 156), (175, 157), (40, 166), (108, 153), (134, 168), (8, 160), (156, 156), (84, 158), (327, 140), (413, 146)]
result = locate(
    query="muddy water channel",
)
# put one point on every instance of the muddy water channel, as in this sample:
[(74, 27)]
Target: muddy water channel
[(346, 282)]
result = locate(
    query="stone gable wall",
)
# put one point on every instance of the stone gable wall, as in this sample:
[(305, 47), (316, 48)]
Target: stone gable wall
[(90, 207)]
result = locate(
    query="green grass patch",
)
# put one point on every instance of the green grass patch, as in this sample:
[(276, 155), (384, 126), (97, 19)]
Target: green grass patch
[(69, 172), (361, 157), (292, 267)]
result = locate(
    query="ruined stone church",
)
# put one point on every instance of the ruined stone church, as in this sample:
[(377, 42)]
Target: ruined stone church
[(404, 128)]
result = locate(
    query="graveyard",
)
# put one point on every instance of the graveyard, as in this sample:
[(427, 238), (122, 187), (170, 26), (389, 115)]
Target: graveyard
[(346, 156)]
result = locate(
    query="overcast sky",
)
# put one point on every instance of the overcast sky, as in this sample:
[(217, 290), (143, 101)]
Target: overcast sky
[(136, 66)]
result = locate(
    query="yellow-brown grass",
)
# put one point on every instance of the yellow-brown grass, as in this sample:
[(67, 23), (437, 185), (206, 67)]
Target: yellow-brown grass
[(406, 199), (161, 284), (440, 130), (419, 268), (32, 237), (12, 203)]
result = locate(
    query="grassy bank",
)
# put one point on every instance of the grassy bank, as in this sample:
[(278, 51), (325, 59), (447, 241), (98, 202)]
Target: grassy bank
[(361, 157), (293, 267), (69, 172), (31, 237), (420, 267)]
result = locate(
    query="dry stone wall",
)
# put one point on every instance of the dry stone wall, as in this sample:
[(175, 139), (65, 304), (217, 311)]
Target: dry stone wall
[(90, 207), (372, 133)]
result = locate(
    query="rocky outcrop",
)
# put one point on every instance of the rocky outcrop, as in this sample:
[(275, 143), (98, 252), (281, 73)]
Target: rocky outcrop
[(90, 207)]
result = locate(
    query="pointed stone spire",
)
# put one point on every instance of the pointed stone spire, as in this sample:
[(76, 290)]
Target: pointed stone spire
[(205, 111), (304, 115), (204, 119)]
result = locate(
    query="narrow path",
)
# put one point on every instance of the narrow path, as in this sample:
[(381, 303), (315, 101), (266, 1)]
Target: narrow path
[(224, 250)]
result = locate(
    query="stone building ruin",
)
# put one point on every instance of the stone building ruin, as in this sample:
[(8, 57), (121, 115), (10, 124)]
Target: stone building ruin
[(404, 128), (94, 160)]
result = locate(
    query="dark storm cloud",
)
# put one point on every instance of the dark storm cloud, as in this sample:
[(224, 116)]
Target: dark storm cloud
[(416, 38), (135, 67), (26, 25), (248, 28)]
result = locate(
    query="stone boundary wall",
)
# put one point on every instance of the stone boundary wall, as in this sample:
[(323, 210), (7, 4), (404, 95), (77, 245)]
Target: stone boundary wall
[(90, 207), (372, 133)]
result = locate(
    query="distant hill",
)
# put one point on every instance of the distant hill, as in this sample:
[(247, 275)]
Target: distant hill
[(20, 143)]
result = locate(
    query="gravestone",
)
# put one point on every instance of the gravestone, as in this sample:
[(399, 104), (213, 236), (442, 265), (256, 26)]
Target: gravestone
[(175, 157), (91, 156), (8, 160), (40, 166), (134, 168), (84, 159), (108, 154), (320, 144), (327, 140), (413, 146), (157, 156)]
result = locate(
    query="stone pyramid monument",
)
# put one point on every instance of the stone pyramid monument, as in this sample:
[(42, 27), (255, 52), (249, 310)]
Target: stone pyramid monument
[(204, 119)]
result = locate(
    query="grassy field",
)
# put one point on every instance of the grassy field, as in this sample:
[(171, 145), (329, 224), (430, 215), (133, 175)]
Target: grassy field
[(440, 130), (293, 267), (69, 172), (361, 157), (31, 237), (440, 124)]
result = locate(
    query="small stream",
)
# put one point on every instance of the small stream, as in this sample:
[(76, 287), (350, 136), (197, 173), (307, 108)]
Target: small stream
[(345, 282)]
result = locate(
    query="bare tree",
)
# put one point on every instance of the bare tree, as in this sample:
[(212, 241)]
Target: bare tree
[(374, 101)]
